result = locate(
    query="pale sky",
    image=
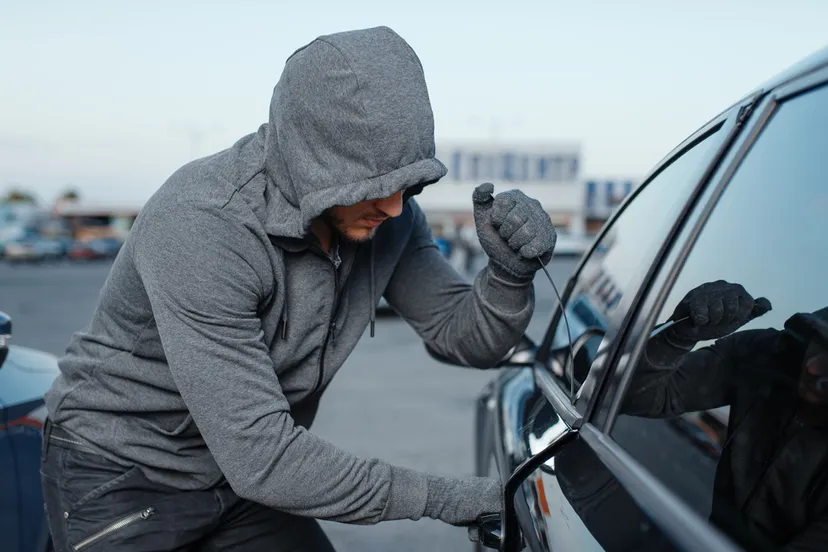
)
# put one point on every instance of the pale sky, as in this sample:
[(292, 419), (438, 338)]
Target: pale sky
[(111, 97)]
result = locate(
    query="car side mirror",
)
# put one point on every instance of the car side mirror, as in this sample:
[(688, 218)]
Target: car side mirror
[(5, 335), (522, 354)]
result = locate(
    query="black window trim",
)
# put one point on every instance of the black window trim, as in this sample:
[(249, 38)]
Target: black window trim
[(626, 370), (739, 117), (705, 131), (609, 383), (792, 89), (732, 122)]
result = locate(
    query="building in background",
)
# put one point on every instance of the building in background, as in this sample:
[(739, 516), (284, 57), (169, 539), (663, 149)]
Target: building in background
[(602, 197), (549, 172)]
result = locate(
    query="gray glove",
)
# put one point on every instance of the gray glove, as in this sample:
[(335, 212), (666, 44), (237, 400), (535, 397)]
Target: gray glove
[(514, 231), (462, 501), (715, 309)]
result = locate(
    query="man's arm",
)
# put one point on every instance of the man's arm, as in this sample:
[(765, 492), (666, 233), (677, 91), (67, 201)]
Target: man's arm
[(474, 325), (206, 277), (671, 379)]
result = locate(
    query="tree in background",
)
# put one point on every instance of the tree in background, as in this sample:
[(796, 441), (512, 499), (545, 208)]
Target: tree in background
[(69, 195), (16, 195)]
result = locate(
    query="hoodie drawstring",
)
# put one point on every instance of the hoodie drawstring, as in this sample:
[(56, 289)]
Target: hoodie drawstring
[(285, 318), (373, 296)]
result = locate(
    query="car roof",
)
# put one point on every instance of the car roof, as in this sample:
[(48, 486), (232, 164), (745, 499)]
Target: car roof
[(811, 63)]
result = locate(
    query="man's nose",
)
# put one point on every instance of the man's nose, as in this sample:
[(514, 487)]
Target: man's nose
[(391, 206)]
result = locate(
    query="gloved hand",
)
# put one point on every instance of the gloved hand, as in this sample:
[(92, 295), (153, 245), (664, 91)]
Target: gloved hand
[(514, 231), (716, 309), (462, 501)]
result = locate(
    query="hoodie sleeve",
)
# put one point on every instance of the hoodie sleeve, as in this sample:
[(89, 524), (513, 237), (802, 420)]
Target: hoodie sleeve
[(206, 276), (474, 325)]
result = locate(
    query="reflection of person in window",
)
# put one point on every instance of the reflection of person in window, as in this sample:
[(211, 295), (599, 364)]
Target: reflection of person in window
[(770, 485)]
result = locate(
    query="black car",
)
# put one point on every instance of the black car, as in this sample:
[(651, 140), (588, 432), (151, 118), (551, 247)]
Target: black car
[(606, 442)]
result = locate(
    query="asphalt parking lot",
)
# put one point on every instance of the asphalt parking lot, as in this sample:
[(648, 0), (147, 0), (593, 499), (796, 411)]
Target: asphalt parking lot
[(390, 400)]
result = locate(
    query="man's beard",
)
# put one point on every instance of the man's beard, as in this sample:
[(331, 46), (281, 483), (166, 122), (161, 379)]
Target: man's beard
[(338, 228)]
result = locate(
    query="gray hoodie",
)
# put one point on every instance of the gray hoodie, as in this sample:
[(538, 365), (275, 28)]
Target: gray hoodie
[(222, 320)]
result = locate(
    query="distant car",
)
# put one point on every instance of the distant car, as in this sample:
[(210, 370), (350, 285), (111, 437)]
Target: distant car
[(35, 248), (49, 249), (25, 376), (107, 247), (94, 249), (21, 251), (603, 448), (82, 251)]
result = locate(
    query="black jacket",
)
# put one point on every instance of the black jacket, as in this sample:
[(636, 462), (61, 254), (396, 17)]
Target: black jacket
[(770, 488)]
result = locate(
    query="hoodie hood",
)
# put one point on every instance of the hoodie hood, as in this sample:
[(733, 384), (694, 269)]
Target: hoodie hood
[(810, 326), (350, 121)]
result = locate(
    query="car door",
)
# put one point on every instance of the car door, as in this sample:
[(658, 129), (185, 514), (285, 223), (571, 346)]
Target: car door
[(637, 478), (573, 502)]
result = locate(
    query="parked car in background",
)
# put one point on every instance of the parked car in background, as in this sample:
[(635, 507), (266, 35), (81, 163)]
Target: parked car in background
[(50, 249), (95, 249), (19, 251), (610, 436), (25, 376), (34, 249)]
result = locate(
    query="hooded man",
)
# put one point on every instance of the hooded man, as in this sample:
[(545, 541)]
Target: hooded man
[(179, 420)]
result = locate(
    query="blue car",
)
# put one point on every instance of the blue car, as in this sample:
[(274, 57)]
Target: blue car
[(25, 376)]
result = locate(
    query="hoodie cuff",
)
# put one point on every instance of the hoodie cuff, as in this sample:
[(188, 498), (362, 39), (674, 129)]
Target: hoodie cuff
[(505, 275), (506, 294), (407, 496)]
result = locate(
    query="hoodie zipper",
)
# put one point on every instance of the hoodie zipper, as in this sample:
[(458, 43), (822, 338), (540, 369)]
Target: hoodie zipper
[(330, 332), (122, 523)]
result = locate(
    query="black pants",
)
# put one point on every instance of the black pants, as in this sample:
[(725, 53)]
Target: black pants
[(94, 505)]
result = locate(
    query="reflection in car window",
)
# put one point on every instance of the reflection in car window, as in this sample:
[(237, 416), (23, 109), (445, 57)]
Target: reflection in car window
[(615, 266), (729, 405)]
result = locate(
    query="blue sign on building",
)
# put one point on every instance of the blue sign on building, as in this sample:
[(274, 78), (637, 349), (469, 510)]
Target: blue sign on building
[(606, 194)]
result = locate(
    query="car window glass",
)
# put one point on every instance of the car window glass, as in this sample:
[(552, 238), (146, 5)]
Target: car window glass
[(618, 263), (728, 405)]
